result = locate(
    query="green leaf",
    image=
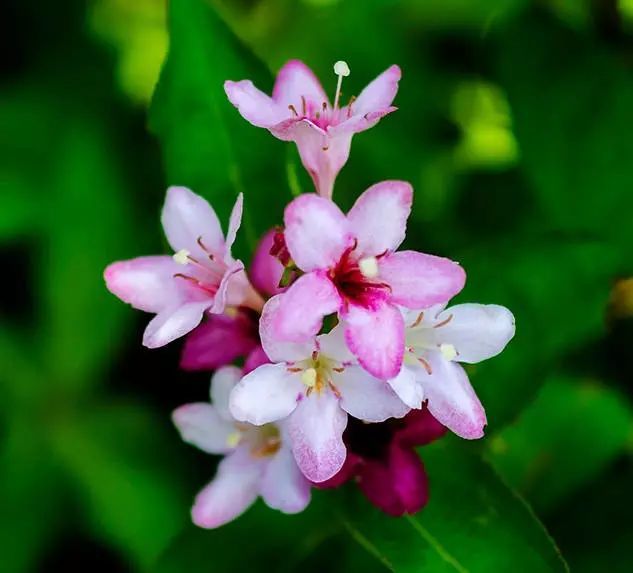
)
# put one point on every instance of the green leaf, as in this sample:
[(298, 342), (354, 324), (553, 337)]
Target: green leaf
[(473, 523), (130, 493), (571, 101), (563, 440), (207, 145)]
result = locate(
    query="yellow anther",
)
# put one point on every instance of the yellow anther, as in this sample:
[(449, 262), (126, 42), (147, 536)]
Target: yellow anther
[(182, 257), (233, 439), (368, 267), (309, 377), (448, 351)]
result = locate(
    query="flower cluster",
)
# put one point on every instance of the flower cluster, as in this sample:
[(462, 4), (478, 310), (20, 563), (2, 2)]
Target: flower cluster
[(351, 356)]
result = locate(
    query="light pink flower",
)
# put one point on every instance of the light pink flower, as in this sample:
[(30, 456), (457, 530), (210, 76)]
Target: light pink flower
[(315, 385), (258, 459), (201, 276), (436, 340), (299, 110), (351, 268)]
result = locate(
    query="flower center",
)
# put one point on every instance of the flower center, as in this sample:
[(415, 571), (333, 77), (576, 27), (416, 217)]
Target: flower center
[(204, 275), (316, 373), (423, 337), (263, 441)]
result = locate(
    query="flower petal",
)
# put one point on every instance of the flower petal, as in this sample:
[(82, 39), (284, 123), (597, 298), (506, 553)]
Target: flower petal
[(189, 219), (275, 348), (232, 491), (379, 93), (235, 221), (333, 345), (407, 387), (378, 219), (283, 486), (358, 123), (147, 283), (294, 80), (316, 432), (202, 426), (222, 384), (316, 232), (300, 310), (451, 398), (267, 394), (349, 470), (254, 105), (233, 289), (173, 323), (266, 271), (376, 337), (218, 341), (477, 331), (367, 398), (418, 280)]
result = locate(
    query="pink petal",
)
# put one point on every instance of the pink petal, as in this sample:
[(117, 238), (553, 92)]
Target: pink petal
[(234, 288), (376, 337), (266, 271), (254, 105), (358, 123), (187, 218), (202, 426), (255, 359), (418, 280), (294, 80), (378, 219), (147, 283), (407, 387), (379, 93), (267, 394), (173, 323), (477, 331), (420, 428), (367, 398), (397, 485), (317, 232), (235, 221), (219, 341), (222, 384), (300, 310), (316, 432), (283, 486), (353, 462), (276, 348), (232, 491), (451, 398)]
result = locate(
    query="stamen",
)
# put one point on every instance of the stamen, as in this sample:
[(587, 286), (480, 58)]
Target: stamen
[(315, 354), (339, 370), (309, 378), (181, 257), (294, 370), (334, 389), (448, 351), (303, 105), (368, 267), (349, 106), (324, 107), (444, 322), (418, 320), (426, 365), (204, 248), (293, 110), (341, 69), (233, 439)]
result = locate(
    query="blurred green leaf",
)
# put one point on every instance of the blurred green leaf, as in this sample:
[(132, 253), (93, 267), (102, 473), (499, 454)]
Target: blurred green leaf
[(473, 523), (563, 440), (206, 143), (571, 100), (119, 458)]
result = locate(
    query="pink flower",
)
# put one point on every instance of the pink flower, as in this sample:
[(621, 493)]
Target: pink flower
[(222, 338), (315, 385), (436, 340), (384, 463), (351, 268), (201, 276), (300, 111), (258, 460)]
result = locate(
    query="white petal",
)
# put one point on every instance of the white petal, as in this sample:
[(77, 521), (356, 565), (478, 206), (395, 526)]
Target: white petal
[(267, 394), (283, 486), (222, 384), (173, 323), (407, 386), (368, 398), (334, 346), (201, 425)]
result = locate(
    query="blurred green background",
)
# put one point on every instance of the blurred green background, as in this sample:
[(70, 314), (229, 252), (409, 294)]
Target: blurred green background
[(514, 128)]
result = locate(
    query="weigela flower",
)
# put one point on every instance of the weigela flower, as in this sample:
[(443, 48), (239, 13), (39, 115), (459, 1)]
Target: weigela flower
[(300, 111), (222, 338), (258, 459), (202, 275), (437, 339), (314, 385), (351, 268), (383, 462)]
